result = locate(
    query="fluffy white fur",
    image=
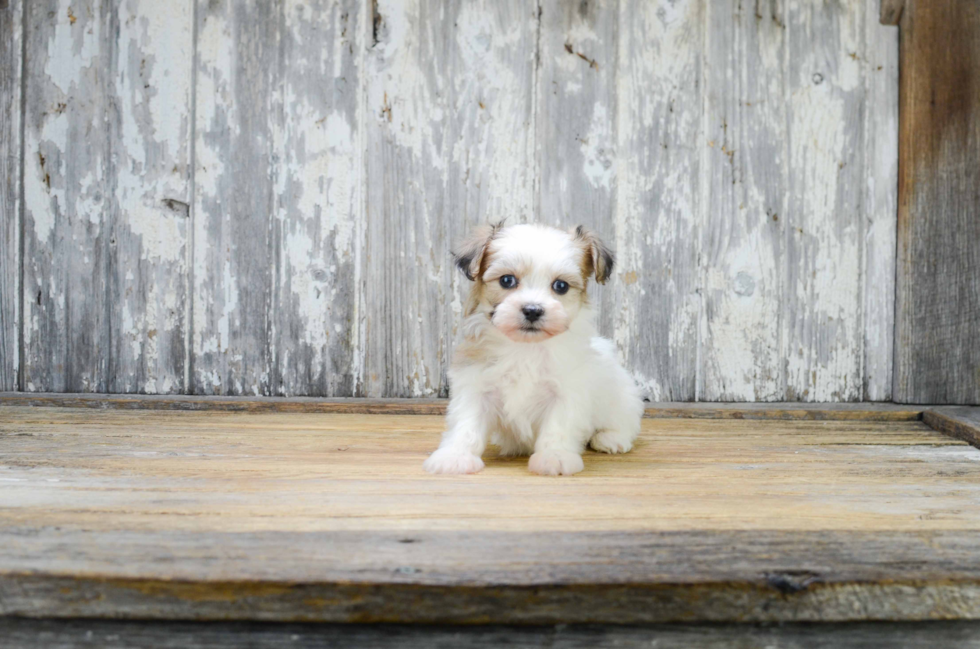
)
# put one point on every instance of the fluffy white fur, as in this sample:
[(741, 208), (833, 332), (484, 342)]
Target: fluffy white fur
[(544, 388)]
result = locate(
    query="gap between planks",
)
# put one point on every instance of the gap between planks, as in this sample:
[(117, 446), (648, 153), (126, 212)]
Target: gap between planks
[(682, 410), (959, 422)]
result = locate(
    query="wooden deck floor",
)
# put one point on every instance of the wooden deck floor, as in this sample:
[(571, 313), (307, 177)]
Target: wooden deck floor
[(310, 472), (300, 516)]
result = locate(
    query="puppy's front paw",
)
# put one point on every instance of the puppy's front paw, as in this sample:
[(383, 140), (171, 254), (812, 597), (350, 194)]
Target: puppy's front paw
[(452, 461), (555, 463), (611, 441)]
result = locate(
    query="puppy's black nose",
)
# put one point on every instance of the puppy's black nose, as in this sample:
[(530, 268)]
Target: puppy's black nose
[(532, 312)]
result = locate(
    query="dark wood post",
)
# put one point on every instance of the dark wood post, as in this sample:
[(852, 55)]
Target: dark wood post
[(937, 317)]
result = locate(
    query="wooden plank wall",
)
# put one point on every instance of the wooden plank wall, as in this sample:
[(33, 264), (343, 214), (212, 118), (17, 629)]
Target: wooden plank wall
[(251, 197), (11, 62), (937, 352)]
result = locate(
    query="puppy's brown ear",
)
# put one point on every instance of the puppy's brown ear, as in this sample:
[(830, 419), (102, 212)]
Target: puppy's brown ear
[(598, 258), (469, 254)]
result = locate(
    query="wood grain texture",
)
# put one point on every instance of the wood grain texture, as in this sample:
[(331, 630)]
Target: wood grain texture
[(72, 634), (448, 124), (290, 517), (11, 62), (785, 182), (961, 422), (422, 406), (66, 197), (320, 183), (463, 579), (744, 187), (723, 474), (656, 291), (937, 358), (880, 210), (575, 123), (236, 241), (262, 197), (783, 411), (149, 169), (823, 336), (891, 11)]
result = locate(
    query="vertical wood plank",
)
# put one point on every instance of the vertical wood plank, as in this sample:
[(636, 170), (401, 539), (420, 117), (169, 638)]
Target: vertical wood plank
[(320, 191), (784, 242), (491, 132), (822, 302), (937, 355), (890, 11), (575, 129), (449, 108), (11, 62), (658, 125), (234, 230), (744, 197), (150, 135), (881, 203), (65, 198)]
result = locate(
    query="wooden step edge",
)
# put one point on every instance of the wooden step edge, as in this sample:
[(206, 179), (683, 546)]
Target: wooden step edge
[(683, 410), (465, 577), (20, 633), (767, 600), (961, 422)]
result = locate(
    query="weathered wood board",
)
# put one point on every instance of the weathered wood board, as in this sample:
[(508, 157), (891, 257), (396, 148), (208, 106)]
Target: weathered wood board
[(69, 634), (320, 184), (937, 355), (236, 228), (11, 62), (759, 466), (302, 517), (423, 406), (656, 298), (961, 422), (448, 125), (575, 122), (880, 206), (66, 247), (258, 198), (150, 127)]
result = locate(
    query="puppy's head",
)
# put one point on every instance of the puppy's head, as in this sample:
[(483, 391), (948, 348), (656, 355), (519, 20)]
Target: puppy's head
[(530, 280)]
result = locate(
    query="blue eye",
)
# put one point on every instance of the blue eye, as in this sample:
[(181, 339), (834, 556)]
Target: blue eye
[(508, 281), (560, 286)]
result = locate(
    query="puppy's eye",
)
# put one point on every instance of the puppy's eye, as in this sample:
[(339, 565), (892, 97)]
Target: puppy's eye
[(560, 286), (508, 281)]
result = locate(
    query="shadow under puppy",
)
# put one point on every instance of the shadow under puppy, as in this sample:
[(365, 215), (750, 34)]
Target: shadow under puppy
[(531, 375)]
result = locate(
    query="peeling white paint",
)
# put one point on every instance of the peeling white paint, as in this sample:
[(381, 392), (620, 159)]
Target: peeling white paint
[(151, 151), (880, 67), (747, 254), (657, 305), (74, 44), (598, 150)]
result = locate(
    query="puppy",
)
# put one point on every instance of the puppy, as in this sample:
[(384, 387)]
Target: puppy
[(531, 375)]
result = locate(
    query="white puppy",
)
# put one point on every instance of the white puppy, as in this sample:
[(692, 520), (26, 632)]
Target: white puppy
[(531, 374)]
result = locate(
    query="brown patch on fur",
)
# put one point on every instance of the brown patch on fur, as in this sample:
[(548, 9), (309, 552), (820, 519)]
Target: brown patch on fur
[(493, 294), (597, 259), (470, 352), (470, 255), (475, 297)]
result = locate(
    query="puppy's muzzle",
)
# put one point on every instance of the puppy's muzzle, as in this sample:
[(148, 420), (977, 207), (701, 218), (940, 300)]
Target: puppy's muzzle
[(532, 312)]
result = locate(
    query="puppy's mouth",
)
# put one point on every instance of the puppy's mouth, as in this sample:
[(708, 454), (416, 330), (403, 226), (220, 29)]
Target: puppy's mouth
[(531, 333), (523, 330)]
